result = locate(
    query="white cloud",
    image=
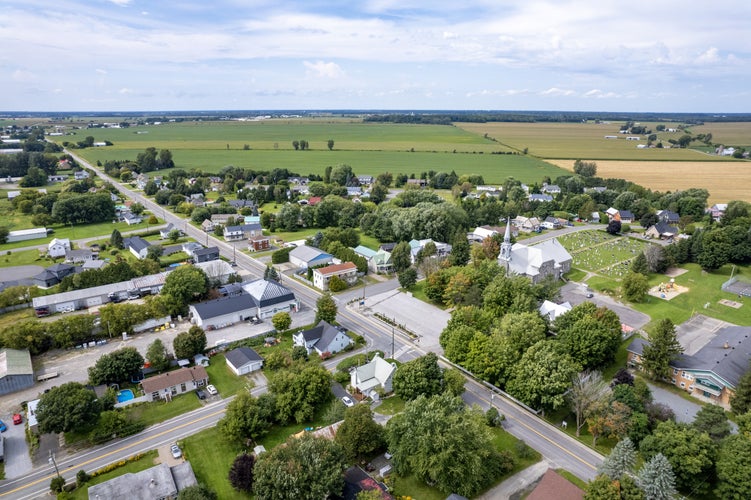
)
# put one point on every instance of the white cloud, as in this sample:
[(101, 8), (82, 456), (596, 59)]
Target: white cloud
[(710, 56), (124, 91), (21, 75), (599, 94), (555, 91), (320, 69), (101, 71), (121, 3)]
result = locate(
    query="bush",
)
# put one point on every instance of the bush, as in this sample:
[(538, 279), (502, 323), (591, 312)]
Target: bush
[(342, 377), (336, 284), (493, 417), (57, 484), (522, 449), (81, 478), (281, 256)]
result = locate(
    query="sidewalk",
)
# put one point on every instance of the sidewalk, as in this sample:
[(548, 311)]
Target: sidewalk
[(513, 486)]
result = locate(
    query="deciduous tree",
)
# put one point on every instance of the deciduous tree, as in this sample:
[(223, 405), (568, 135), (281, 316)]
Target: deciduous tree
[(188, 344), (587, 396), (117, 366), (419, 377), (67, 407), (734, 467), (241, 472), (635, 287), (359, 434), (156, 353), (326, 308), (281, 321)]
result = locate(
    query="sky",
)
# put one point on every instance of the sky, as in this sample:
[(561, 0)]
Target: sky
[(579, 55)]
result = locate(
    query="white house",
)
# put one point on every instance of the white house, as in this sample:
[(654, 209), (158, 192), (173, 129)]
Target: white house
[(137, 246), (370, 376), (323, 338), (551, 310), (57, 247), (243, 360)]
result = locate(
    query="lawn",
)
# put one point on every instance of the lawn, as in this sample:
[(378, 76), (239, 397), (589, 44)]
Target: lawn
[(226, 382), (159, 411), (211, 457), (143, 463), (391, 406)]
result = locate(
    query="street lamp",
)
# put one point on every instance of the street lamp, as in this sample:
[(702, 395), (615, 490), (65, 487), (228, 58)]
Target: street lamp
[(51, 461)]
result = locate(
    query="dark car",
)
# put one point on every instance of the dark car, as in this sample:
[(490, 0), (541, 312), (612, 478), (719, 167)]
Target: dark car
[(200, 394)]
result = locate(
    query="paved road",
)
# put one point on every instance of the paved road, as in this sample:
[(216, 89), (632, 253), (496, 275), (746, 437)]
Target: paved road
[(557, 447), (576, 293)]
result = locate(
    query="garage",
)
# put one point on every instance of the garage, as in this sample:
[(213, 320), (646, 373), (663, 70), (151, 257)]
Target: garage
[(94, 301), (64, 307), (243, 360)]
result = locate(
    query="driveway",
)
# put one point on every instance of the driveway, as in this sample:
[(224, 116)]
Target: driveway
[(15, 273), (17, 459), (576, 293)]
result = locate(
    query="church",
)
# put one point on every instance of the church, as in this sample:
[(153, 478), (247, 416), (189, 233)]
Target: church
[(536, 262)]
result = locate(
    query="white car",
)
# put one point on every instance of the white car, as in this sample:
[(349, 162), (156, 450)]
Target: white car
[(348, 401), (176, 451), (212, 390)]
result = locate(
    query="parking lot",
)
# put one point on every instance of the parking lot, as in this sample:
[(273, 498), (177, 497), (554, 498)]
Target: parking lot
[(17, 459), (576, 293)]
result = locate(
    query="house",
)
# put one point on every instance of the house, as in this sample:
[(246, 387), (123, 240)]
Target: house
[(222, 312), (379, 261), (259, 243), (81, 175), (160, 482), (551, 189), (661, 230), (712, 373), (205, 254), (223, 219), (54, 274), (553, 485), (26, 234), (480, 233), (57, 247), (165, 232), (551, 223), (543, 198), (623, 216), (551, 310), (717, 211), (93, 264), (190, 247), (354, 191), (442, 249), (346, 271), (270, 297), (201, 360), (141, 181), (323, 338), (239, 204), (421, 183), (314, 200), (365, 180), (137, 246), (243, 360), (357, 480), (218, 271), (174, 383), (668, 217), (244, 231), (57, 178), (131, 219), (305, 256), (378, 373), (16, 371), (537, 262), (526, 224), (207, 225), (79, 256)]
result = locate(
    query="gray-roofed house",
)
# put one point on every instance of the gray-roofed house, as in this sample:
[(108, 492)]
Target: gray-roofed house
[(323, 338), (137, 246), (270, 297), (165, 231), (131, 219), (244, 231), (156, 483), (218, 271), (205, 254), (238, 204), (79, 256), (540, 197), (54, 274), (16, 371), (243, 360), (306, 256), (173, 383), (661, 230), (711, 373), (223, 312), (378, 373), (537, 262), (668, 216)]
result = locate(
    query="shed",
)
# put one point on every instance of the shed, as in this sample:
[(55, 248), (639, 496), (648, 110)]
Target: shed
[(244, 360)]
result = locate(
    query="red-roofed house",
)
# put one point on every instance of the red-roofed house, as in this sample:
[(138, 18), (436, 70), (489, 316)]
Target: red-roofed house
[(553, 485), (314, 200), (322, 275)]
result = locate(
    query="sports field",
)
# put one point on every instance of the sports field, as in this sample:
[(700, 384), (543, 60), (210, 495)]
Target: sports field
[(587, 141), (725, 181)]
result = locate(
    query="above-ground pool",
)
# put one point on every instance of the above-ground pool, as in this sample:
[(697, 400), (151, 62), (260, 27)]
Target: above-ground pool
[(125, 395)]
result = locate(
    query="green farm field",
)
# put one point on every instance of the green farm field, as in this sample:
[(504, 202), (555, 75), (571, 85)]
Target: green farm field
[(586, 141)]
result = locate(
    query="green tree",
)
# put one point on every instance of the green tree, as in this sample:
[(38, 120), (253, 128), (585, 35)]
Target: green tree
[(336, 284), (401, 256), (299, 391), (247, 417), (154, 252), (186, 284), (602, 488), (330, 144), (690, 453), (734, 467), (157, 355), (663, 347), (188, 344), (241, 472), (441, 441), (67, 407), (359, 435), (593, 339), (635, 287), (174, 235), (459, 250), (117, 366), (326, 309), (585, 168), (639, 265), (196, 492), (281, 321), (712, 420), (4, 232), (306, 468), (740, 403), (656, 479), (453, 381), (116, 239), (542, 375), (420, 377), (621, 460), (588, 394), (408, 278)]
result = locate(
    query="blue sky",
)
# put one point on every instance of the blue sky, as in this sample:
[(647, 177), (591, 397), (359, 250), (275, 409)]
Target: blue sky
[(126, 55)]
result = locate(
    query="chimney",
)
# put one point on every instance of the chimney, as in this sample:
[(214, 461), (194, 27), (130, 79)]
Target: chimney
[(726, 345)]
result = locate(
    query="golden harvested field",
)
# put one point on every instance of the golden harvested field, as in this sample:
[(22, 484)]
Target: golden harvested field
[(725, 181)]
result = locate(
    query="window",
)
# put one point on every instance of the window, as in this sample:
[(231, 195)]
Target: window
[(182, 387), (675, 371), (155, 395), (683, 384)]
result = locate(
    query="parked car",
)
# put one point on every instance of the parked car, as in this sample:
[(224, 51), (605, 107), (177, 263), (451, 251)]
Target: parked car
[(3, 427), (176, 451), (211, 390), (17, 419), (348, 401), (590, 295), (200, 394)]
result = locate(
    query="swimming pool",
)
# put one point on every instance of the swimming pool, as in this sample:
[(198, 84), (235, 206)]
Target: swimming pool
[(125, 395)]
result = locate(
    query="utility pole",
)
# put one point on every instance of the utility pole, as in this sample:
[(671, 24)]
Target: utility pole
[(51, 461), (392, 342)]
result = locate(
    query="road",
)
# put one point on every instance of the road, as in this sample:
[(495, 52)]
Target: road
[(557, 447)]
